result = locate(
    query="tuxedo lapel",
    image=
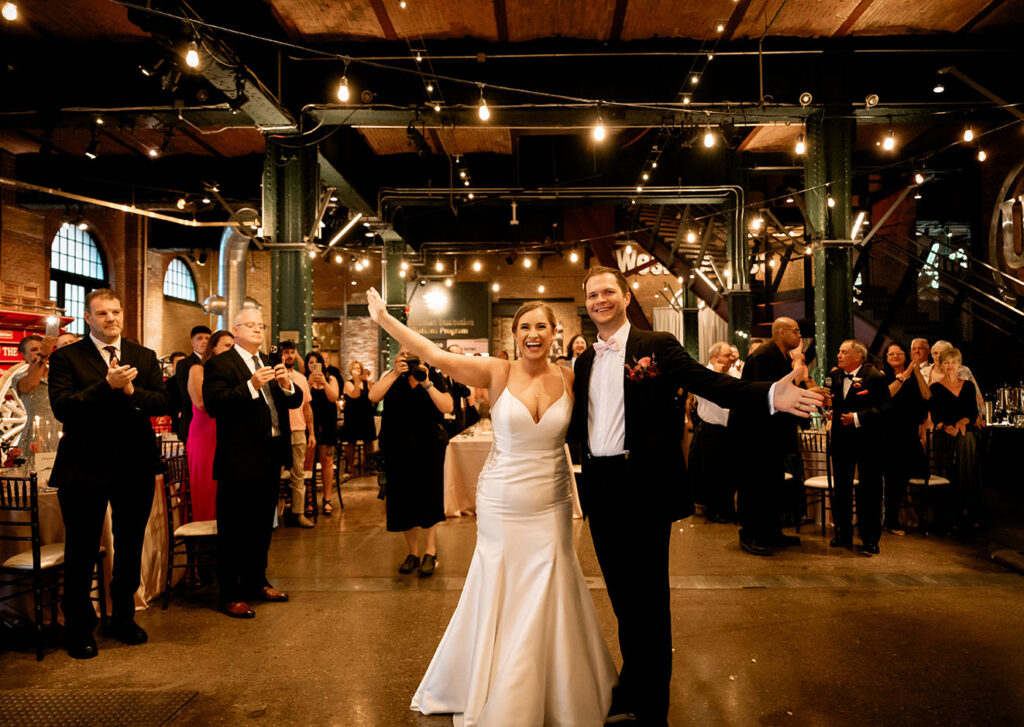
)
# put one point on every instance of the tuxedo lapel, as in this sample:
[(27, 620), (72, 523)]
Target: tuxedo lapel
[(91, 354), (629, 360), (129, 355), (240, 365)]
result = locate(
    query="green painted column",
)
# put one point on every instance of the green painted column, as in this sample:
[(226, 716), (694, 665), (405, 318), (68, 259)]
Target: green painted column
[(691, 324), (393, 292), (738, 301), (290, 188), (827, 171)]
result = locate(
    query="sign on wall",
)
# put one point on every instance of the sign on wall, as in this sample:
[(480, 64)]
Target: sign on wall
[(629, 257), (440, 312)]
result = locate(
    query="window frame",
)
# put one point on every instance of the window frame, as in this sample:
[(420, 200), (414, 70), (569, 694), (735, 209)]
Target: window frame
[(191, 277), (67, 277)]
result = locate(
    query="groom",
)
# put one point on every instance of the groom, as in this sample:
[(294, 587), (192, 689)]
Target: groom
[(634, 475)]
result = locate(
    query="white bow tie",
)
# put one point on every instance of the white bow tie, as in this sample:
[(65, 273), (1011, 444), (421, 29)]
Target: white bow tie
[(601, 346)]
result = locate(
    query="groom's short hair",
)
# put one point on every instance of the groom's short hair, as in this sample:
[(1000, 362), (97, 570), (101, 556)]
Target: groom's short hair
[(603, 270)]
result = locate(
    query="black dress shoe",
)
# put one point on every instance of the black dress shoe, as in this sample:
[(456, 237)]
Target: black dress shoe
[(411, 563), (756, 547), (83, 648), (427, 565), (127, 632), (840, 542), (782, 540), (870, 548)]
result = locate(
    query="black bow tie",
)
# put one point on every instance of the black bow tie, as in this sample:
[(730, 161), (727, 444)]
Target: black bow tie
[(847, 375)]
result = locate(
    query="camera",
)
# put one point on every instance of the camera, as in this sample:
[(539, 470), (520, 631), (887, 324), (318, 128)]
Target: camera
[(414, 368)]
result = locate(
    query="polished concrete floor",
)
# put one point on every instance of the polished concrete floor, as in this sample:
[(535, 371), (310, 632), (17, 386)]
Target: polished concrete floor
[(928, 633)]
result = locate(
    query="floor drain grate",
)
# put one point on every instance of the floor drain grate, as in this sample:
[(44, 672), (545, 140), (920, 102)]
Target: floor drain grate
[(89, 708)]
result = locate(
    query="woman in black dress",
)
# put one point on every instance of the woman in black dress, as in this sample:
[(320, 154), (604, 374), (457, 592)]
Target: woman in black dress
[(904, 455), (323, 390), (358, 425), (413, 441), (954, 410)]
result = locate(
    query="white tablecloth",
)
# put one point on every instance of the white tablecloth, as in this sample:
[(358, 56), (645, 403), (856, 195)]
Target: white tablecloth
[(463, 462)]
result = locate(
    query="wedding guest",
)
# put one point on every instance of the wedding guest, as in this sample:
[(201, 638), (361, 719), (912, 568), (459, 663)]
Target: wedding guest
[(736, 363), (199, 337), (904, 456), (710, 447), (303, 439), (172, 390), (413, 440), (33, 387), (577, 345), (323, 390), (202, 434), (66, 339), (954, 411), (938, 372), (358, 407), (860, 408), (104, 389)]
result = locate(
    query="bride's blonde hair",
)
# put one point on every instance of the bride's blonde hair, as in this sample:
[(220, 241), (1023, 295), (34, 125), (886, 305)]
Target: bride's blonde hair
[(533, 305)]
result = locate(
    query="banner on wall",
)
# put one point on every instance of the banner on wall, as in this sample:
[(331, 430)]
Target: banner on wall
[(440, 313)]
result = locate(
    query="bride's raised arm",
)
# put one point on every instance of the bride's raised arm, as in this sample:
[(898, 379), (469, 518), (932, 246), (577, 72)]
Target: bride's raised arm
[(475, 371)]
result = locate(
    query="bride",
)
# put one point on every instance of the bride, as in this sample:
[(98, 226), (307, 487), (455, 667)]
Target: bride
[(524, 646)]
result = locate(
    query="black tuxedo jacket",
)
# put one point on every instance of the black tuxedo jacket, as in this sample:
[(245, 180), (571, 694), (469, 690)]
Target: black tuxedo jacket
[(775, 433), (245, 448), (180, 383), (107, 434), (868, 398), (654, 427)]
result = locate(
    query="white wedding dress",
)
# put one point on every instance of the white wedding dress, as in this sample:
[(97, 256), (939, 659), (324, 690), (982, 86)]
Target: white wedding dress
[(524, 646)]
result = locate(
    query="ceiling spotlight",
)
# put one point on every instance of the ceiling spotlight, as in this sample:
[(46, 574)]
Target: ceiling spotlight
[(10, 12), (438, 266), (968, 134), (344, 94), (91, 151), (871, 100), (598, 132), (918, 178), (495, 287), (709, 139), (982, 156), (938, 87), (890, 141), (806, 98), (447, 282), (573, 257), (192, 55), (801, 147)]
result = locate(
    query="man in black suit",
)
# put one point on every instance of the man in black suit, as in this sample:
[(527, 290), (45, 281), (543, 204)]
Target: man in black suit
[(634, 475), (250, 401), (459, 392), (860, 408), (766, 440), (104, 389), (200, 336)]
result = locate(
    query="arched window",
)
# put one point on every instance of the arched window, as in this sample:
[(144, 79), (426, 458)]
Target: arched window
[(179, 282), (76, 268)]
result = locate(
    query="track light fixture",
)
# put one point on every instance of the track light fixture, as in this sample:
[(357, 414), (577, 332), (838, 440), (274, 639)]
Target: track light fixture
[(91, 150), (871, 100), (806, 99), (938, 87)]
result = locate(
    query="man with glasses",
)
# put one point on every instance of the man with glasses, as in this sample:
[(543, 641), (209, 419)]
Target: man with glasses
[(250, 401)]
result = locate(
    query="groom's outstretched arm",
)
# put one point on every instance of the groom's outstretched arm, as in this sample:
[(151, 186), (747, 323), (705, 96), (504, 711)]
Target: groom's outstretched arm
[(726, 391)]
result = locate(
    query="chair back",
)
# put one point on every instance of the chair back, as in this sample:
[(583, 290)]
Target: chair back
[(941, 453), (21, 495), (177, 493), (171, 448), (814, 453)]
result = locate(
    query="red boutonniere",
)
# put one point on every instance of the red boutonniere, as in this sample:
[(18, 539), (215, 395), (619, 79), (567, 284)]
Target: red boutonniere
[(645, 368), (856, 382)]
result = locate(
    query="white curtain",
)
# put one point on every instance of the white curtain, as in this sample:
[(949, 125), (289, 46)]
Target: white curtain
[(669, 320), (711, 329)]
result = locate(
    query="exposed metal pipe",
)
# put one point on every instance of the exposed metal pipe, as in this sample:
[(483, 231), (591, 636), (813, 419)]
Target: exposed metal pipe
[(234, 248)]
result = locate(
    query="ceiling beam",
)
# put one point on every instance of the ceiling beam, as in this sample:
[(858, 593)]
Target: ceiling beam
[(618, 18), (350, 198), (847, 25), (984, 13), (384, 19), (734, 20), (501, 20)]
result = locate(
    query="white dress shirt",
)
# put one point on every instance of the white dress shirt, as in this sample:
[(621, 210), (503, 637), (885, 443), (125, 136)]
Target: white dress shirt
[(711, 412), (847, 383), (606, 413), (101, 347)]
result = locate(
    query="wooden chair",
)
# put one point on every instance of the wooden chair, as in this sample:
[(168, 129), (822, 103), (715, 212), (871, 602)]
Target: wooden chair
[(816, 460), (194, 539), (171, 448), (921, 491), (38, 569)]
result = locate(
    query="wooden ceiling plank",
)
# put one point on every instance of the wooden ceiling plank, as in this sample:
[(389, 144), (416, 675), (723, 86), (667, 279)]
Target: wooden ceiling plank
[(981, 16), (501, 20), (384, 19), (851, 19), (618, 17)]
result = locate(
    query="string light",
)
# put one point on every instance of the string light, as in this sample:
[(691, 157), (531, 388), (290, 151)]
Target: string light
[(447, 282), (483, 111), (598, 132), (540, 288), (968, 134), (573, 257), (527, 262), (477, 265), (10, 12), (344, 94), (438, 266), (890, 141), (709, 138), (982, 156), (918, 178), (495, 287), (801, 147), (192, 55)]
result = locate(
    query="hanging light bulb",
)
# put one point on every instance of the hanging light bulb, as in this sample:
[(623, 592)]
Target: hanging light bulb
[(447, 282), (462, 173), (477, 266), (430, 87), (419, 57), (338, 258), (636, 285), (801, 147), (181, 203), (917, 195), (438, 266), (470, 195), (343, 91), (527, 262), (402, 4), (938, 87), (691, 236), (720, 28), (694, 79), (358, 266), (982, 156), (192, 55), (573, 257), (483, 111), (890, 141), (437, 107), (639, 188), (968, 134), (365, 262), (312, 252), (10, 12), (401, 273), (540, 288), (654, 165), (686, 99), (495, 287), (404, 265), (598, 132), (629, 249), (756, 224), (709, 138), (831, 201), (918, 178), (645, 176)]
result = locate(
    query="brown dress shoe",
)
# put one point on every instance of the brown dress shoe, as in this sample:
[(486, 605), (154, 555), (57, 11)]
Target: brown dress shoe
[(269, 593), (238, 609)]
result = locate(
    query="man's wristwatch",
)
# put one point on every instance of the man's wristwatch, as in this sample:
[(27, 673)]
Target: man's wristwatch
[(427, 385)]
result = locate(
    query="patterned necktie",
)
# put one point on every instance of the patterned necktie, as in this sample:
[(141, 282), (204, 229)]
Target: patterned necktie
[(274, 424), (113, 355), (601, 346)]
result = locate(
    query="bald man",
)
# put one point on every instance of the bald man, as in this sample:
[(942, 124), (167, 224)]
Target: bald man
[(765, 440)]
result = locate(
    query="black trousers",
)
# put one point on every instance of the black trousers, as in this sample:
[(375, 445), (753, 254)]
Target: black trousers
[(865, 456), (904, 459), (245, 524), (631, 541), (761, 492), (83, 506)]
